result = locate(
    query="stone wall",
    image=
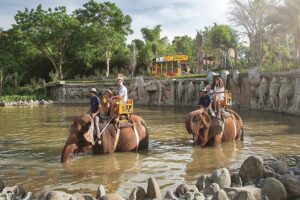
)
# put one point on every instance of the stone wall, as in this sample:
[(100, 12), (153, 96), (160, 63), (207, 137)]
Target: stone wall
[(278, 92)]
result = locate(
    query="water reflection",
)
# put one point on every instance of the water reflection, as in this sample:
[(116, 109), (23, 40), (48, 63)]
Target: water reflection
[(31, 140)]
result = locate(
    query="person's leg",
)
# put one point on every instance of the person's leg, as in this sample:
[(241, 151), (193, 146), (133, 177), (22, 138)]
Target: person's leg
[(96, 121)]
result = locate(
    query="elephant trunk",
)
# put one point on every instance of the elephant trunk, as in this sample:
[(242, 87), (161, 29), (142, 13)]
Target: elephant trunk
[(67, 151)]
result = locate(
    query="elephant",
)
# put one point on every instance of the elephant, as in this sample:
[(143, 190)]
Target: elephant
[(132, 136), (211, 131)]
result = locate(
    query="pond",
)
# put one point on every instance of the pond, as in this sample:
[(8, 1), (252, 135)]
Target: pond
[(31, 140)]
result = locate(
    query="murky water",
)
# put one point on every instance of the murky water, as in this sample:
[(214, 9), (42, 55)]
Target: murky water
[(31, 140)]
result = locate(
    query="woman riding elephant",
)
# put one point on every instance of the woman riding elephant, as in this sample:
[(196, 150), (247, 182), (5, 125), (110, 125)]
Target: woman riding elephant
[(211, 131), (133, 136)]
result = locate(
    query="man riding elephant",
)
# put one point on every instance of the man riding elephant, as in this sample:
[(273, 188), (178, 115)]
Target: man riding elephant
[(211, 131)]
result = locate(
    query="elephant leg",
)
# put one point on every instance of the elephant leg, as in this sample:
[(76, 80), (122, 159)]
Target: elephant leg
[(218, 140)]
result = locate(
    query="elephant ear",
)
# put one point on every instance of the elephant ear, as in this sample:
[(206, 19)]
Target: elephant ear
[(197, 120), (86, 127)]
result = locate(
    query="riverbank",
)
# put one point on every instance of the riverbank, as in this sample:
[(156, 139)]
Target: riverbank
[(23, 100), (256, 179)]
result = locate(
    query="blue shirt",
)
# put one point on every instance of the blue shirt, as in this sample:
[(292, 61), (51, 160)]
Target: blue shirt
[(95, 102), (204, 101)]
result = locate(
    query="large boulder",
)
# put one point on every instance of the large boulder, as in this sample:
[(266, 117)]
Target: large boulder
[(280, 167), (203, 182), (153, 190), (291, 184), (251, 170), (138, 193), (221, 177), (248, 191), (274, 189)]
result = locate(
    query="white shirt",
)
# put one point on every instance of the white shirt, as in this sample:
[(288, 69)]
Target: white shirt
[(219, 96), (123, 93)]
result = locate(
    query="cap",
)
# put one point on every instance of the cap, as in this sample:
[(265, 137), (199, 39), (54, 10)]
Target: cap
[(94, 90)]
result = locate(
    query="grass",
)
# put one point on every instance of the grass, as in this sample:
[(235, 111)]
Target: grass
[(14, 98)]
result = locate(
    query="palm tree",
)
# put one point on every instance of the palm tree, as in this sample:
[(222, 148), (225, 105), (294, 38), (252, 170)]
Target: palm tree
[(286, 20)]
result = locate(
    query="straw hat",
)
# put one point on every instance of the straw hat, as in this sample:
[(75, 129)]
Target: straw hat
[(108, 91)]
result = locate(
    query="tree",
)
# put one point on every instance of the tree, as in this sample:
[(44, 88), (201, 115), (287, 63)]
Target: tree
[(199, 48), (106, 26), (154, 44), (48, 31), (286, 20), (251, 15), (132, 63)]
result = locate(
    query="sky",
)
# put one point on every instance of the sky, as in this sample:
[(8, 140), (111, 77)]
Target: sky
[(177, 17)]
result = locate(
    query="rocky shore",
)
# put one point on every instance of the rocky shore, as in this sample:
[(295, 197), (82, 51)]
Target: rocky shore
[(254, 180), (26, 103)]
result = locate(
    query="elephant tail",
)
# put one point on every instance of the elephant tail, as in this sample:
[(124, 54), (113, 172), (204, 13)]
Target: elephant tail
[(242, 134), (145, 141)]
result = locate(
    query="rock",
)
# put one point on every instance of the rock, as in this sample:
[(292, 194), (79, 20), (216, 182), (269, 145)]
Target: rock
[(100, 192), (220, 195), (291, 184), (189, 195), (222, 177), (183, 188), (244, 195), (55, 195), (199, 196), (298, 164), (153, 190), (203, 182), (269, 172), (16, 189), (29, 196), (213, 188), (233, 192), (113, 196), (138, 193), (280, 167), (8, 196), (294, 170), (236, 180), (251, 170), (169, 195), (87, 197), (2, 185), (274, 189)]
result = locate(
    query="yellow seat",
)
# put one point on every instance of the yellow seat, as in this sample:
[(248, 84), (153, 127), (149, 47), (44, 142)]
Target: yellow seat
[(227, 99)]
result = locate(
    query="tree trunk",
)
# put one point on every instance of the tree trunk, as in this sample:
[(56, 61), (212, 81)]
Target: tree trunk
[(297, 46), (60, 73), (107, 56)]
